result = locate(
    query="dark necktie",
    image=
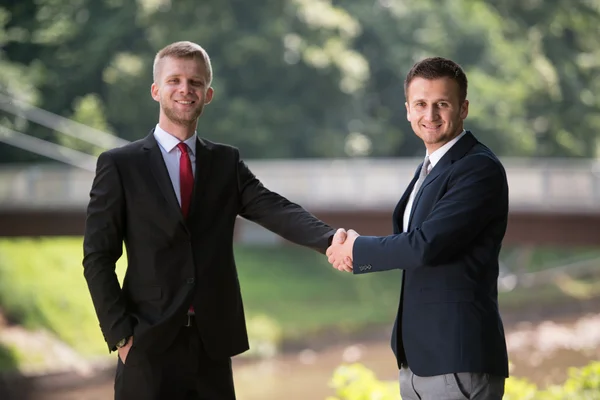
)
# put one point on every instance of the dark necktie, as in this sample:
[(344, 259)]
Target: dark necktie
[(186, 186), (186, 178)]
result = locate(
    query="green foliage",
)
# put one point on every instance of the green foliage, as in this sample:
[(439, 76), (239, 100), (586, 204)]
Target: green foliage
[(42, 287), (561, 96), (583, 382), (356, 382), (8, 359), (265, 335), (314, 297), (87, 110), (314, 78), (530, 259)]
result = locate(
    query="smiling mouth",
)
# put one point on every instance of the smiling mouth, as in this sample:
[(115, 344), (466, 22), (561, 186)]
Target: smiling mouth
[(431, 127), (184, 102)]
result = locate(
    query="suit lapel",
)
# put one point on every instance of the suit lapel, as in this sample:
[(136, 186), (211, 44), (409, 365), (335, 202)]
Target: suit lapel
[(398, 214), (204, 158), (160, 173), (456, 152)]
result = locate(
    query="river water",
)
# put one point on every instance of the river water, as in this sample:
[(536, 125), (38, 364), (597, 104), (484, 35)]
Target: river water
[(540, 351)]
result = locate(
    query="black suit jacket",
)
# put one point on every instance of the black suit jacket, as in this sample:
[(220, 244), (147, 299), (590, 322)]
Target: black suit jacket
[(448, 319), (173, 262)]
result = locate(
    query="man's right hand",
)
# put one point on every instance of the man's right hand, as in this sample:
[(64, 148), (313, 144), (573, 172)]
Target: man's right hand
[(339, 254), (123, 351)]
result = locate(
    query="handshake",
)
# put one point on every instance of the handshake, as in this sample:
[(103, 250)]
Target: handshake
[(339, 254)]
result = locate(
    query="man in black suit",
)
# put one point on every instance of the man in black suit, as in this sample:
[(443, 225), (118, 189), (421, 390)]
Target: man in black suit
[(172, 199), (448, 229)]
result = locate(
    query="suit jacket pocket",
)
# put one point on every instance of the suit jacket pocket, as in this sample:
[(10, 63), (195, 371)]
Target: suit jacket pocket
[(442, 295), (145, 293)]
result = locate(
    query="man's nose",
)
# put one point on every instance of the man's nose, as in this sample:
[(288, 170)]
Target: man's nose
[(184, 87), (432, 113)]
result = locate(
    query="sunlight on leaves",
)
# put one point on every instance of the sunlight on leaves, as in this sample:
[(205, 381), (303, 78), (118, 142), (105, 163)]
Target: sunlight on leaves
[(577, 288), (123, 65)]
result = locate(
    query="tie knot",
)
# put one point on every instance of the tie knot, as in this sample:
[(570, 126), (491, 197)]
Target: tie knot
[(182, 147)]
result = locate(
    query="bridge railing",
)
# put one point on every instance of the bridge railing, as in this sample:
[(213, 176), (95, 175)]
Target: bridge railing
[(543, 185)]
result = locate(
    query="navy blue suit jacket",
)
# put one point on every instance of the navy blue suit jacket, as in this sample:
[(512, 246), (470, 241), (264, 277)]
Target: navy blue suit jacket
[(448, 319)]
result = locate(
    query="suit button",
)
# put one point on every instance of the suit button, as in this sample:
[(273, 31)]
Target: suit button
[(190, 280)]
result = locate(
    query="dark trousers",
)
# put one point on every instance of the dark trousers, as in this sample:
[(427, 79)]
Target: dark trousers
[(183, 372)]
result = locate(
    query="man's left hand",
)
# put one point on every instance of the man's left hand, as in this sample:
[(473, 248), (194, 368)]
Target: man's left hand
[(339, 254)]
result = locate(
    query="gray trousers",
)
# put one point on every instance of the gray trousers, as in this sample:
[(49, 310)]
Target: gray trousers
[(459, 386)]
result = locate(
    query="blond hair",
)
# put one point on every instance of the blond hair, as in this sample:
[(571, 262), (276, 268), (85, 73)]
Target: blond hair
[(187, 50)]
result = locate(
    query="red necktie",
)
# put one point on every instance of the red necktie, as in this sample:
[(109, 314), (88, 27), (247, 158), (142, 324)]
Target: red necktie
[(186, 184), (186, 179)]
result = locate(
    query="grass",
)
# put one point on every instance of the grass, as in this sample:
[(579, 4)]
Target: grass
[(564, 291), (304, 294), (8, 359), (540, 258), (42, 286)]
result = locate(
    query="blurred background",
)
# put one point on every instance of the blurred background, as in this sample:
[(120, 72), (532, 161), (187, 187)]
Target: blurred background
[(311, 91)]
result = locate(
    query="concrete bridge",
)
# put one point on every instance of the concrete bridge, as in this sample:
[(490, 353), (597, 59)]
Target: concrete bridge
[(552, 201)]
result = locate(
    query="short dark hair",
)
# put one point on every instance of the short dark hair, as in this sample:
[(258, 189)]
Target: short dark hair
[(435, 68)]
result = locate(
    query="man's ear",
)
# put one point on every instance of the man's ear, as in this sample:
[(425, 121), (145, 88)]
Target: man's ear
[(209, 95), (154, 92), (464, 110)]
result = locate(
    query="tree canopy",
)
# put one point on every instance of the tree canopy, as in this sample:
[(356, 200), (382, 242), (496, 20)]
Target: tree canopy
[(310, 78)]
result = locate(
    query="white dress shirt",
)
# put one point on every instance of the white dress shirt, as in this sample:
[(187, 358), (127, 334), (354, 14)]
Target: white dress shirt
[(434, 158), (168, 147)]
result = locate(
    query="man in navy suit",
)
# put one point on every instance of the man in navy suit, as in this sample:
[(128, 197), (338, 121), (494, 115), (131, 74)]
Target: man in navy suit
[(448, 229)]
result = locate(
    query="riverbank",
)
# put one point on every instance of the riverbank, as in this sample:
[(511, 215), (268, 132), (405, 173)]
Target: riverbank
[(293, 299), (297, 306), (541, 350)]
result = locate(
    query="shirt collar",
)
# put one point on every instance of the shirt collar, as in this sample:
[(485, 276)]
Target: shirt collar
[(169, 142), (437, 155)]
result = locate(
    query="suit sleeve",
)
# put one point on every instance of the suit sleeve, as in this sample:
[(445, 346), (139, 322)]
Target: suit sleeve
[(279, 215), (103, 246), (477, 193)]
